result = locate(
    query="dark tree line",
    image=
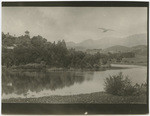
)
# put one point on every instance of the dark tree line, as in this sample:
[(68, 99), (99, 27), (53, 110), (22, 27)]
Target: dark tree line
[(37, 49)]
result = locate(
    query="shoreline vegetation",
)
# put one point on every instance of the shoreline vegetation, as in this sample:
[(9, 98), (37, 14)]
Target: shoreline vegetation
[(43, 67), (138, 64), (63, 69), (96, 98)]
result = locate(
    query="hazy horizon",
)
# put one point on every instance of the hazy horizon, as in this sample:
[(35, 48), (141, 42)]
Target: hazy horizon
[(74, 23)]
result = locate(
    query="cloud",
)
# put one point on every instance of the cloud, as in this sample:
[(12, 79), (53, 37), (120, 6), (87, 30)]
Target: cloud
[(74, 23)]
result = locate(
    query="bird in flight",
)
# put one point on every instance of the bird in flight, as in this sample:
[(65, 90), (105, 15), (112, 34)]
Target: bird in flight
[(105, 30)]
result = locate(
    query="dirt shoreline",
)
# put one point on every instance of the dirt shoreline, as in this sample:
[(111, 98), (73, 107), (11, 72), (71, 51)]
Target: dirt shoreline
[(96, 98)]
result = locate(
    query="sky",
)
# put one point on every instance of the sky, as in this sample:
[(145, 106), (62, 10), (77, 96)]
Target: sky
[(74, 23)]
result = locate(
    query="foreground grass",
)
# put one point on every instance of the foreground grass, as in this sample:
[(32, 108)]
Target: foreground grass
[(97, 97)]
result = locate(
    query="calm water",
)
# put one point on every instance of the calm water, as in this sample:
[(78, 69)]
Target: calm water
[(38, 84)]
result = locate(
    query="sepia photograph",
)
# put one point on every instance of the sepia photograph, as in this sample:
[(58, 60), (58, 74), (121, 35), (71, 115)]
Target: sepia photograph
[(61, 55)]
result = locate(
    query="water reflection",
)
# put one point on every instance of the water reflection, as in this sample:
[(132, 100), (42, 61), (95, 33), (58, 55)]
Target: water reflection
[(21, 82), (38, 84)]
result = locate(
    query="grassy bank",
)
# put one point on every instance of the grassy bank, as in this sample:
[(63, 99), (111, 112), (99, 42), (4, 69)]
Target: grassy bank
[(138, 64), (97, 97), (138, 60), (63, 69)]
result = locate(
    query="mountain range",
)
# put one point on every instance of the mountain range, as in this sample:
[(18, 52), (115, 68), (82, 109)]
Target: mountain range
[(138, 50), (129, 41)]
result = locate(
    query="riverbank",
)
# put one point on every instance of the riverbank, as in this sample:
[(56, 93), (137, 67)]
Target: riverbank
[(138, 64), (64, 69), (96, 98)]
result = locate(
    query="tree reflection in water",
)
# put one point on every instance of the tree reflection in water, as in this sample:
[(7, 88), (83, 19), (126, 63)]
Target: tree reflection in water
[(20, 82)]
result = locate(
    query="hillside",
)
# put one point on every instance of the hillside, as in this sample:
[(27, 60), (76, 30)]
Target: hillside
[(117, 48), (138, 50), (134, 40), (129, 41)]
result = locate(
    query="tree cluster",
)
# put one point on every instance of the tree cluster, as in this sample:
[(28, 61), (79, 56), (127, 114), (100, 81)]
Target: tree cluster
[(37, 49)]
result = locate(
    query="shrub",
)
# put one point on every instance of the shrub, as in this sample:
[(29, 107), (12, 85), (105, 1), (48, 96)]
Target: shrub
[(118, 85), (140, 89)]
